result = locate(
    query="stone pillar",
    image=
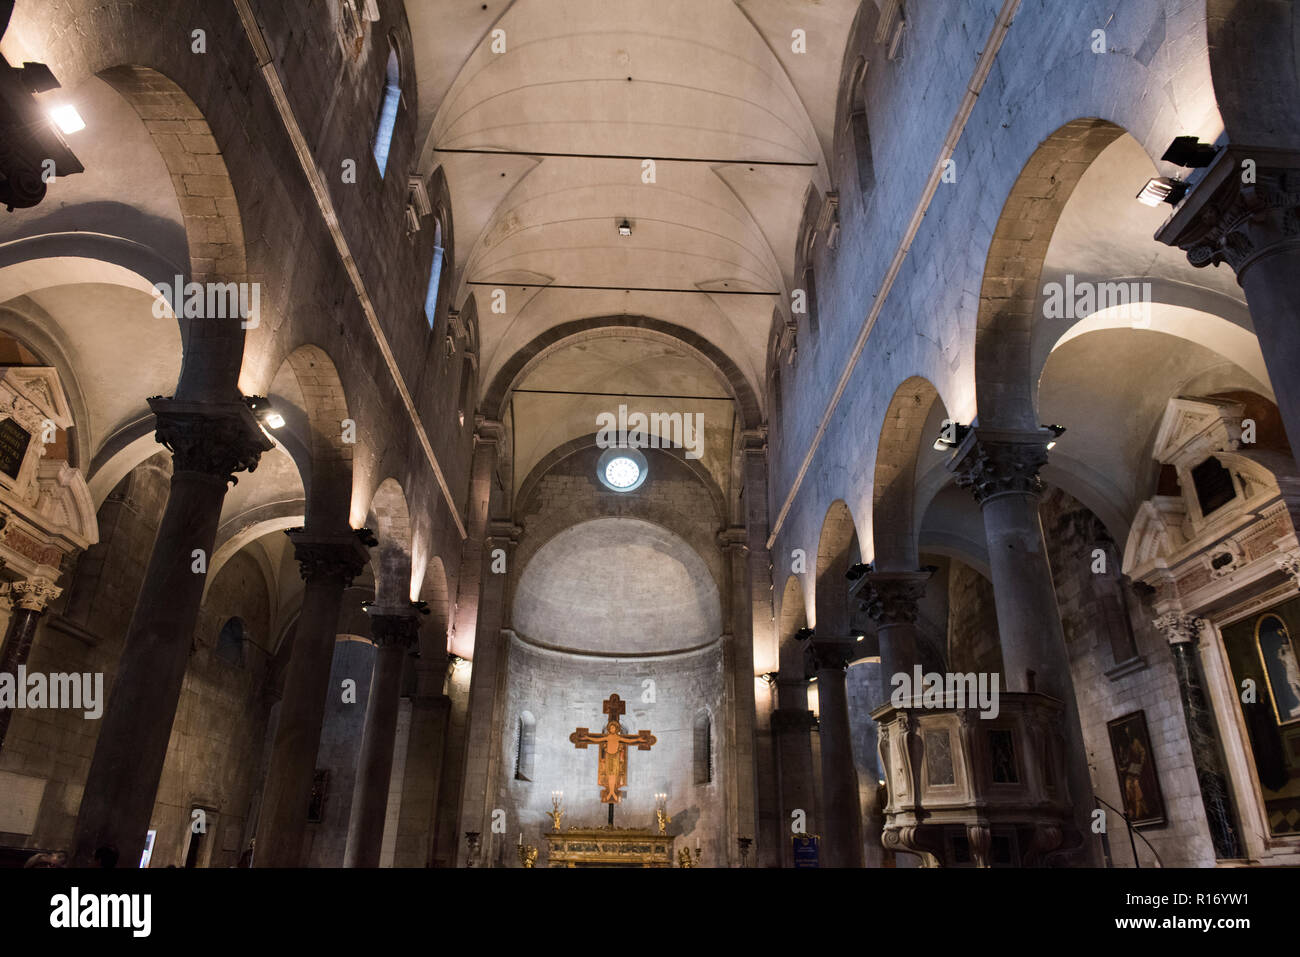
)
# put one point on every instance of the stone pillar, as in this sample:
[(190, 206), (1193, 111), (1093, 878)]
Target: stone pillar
[(426, 767), (1001, 468), (738, 665), (792, 725), (891, 599), (1245, 212), (30, 598), (393, 634), (328, 563), (209, 442), (1184, 634), (485, 722), (842, 824)]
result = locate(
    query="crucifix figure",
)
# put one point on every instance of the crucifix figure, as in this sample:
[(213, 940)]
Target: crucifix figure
[(611, 764)]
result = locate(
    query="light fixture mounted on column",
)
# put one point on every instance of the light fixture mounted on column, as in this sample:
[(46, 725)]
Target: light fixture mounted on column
[(857, 571), (950, 436), (264, 411), (1057, 431), (624, 227), (1190, 153), (803, 634), (1163, 189)]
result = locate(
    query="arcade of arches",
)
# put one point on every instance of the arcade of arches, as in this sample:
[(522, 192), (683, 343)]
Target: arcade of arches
[(435, 431)]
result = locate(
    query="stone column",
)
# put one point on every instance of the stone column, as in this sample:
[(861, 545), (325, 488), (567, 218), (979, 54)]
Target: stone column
[(1245, 212), (209, 442), (792, 725), (328, 563), (1001, 468), (30, 598), (393, 635), (842, 827), (891, 599), (483, 736), (1183, 633), (426, 767), (738, 665)]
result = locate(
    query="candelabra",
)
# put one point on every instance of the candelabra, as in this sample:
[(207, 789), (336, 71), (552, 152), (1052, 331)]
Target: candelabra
[(556, 813), (527, 855), (472, 839), (661, 813), (744, 843)]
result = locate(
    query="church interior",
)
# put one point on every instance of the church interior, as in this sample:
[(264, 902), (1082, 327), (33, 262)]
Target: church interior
[(689, 433)]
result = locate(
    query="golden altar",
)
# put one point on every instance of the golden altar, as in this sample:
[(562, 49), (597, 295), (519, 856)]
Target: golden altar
[(609, 847)]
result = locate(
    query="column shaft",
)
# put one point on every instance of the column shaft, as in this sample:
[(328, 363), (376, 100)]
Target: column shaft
[(30, 598), (375, 763), (842, 827)]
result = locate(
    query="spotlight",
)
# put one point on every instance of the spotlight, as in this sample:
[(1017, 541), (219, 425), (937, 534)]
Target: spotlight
[(1057, 431), (950, 436), (862, 637), (803, 634), (421, 606), (67, 119), (857, 571), (624, 228), (264, 411), (1163, 189), (1190, 153)]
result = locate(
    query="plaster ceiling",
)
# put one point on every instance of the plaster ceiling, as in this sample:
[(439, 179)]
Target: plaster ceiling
[(712, 80)]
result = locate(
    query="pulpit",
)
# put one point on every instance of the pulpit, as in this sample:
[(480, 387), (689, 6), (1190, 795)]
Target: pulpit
[(969, 791), (609, 847)]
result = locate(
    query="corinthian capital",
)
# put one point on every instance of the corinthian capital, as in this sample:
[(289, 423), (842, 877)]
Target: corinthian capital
[(34, 594), (340, 556), (1246, 207), (993, 462), (400, 630), (1178, 628), (891, 598), (214, 438)]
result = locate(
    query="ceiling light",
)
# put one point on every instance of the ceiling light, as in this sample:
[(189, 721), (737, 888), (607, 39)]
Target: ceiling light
[(861, 637), (67, 119), (274, 420), (625, 228), (1162, 189)]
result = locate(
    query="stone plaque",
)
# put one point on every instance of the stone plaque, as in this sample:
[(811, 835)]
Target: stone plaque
[(13, 447)]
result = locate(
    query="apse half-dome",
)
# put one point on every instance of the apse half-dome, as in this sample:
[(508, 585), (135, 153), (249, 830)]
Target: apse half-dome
[(617, 586)]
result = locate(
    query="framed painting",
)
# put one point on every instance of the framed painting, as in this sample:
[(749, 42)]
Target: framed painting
[(1139, 785), (1277, 656)]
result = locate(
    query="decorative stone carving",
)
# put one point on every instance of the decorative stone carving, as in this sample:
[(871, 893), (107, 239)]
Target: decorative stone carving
[(1177, 627), (400, 630), (1239, 213), (34, 594), (217, 439), (830, 654), (339, 556), (891, 598), (990, 463)]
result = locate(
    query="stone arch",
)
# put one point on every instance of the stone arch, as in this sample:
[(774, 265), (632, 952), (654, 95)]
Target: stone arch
[(525, 359), (894, 499), (837, 550), (793, 616), (390, 520), (1004, 385), (213, 227), (435, 628), (327, 474)]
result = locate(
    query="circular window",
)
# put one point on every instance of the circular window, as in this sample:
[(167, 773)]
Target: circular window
[(621, 470)]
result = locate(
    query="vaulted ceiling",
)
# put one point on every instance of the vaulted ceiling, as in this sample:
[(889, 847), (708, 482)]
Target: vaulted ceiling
[(738, 124)]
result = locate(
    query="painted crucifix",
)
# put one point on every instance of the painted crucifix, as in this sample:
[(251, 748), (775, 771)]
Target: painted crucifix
[(611, 763)]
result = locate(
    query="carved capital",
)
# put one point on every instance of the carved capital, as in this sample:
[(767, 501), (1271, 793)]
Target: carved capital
[(991, 462), (891, 598), (1178, 628), (1290, 564), (489, 432), (830, 654), (400, 630), (733, 537), (34, 594), (341, 557), (213, 438), (1246, 207)]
